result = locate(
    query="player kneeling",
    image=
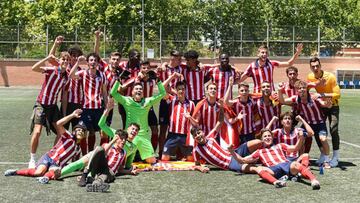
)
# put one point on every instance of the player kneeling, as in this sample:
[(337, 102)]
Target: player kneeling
[(275, 162), (66, 148)]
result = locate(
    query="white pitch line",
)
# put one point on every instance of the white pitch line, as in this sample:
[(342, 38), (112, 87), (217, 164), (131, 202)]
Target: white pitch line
[(351, 144), (13, 163)]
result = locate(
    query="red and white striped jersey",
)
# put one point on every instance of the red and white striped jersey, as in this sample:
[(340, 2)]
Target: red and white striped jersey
[(250, 110), (280, 136), (115, 159), (178, 123), (148, 87), (209, 115), (271, 156), (221, 78), (92, 85), (212, 153), (267, 112), (74, 88), (287, 89), (163, 75), (194, 82), (111, 77), (310, 111), (259, 74), (53, 83), (64, 150), (133, 74)]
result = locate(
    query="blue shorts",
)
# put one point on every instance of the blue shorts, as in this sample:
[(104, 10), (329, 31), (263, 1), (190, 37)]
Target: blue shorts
[(174, 141), (281, 169), (47, 161), (152, 119), (247, 137), (91, 118), (164, 113), (319, 129), (243, 150), (234, 165)]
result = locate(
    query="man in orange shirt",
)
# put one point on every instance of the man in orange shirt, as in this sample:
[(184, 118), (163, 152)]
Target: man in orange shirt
[(327, 87)]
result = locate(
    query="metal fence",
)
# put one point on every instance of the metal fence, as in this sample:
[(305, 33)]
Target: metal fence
[(241, 41)]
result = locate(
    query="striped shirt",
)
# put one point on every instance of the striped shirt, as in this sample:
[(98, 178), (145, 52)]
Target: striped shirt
[(280, 136), (267, 112), (92, 85), (64, 150), (133, 74), (261, 73), (310, 111), (111, 77), (212, 153), (271, 156), (163, 75), (115, 159), (194, 82), (53, 83), (74, 88), (178, 123), (209, 115), (287, 89), (221, 79), (249, 108)]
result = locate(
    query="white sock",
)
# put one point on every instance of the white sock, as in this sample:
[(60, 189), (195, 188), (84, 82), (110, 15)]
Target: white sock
[(32, 156), (336, 154)]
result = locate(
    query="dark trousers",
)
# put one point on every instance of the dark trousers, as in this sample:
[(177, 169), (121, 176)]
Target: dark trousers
[(332, 115), (98, 167)]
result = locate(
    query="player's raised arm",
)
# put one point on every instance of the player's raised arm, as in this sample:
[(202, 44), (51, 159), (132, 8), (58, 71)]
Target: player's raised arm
[(38, 67), (228, 92), (273, 120), (60, 123), (291, 61), (102, 122), (58, 40), (309, 130), (98, 33), (73, 70)]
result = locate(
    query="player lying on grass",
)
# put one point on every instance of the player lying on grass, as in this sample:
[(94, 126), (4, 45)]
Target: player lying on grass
[(66, 148), (273, 159), (207, 149), (129, 147)]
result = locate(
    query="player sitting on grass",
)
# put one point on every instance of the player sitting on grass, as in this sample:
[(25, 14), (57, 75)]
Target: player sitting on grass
[(206, 148), (274, 160), (104, 163), (65, 149), (129, 147)]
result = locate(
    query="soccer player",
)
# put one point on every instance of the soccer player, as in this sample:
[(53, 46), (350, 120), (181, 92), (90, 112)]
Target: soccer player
[(310, 110), (208, 109), (95, 93), (71, 98), (274, 160), (288, 134), (207, 148), (104, 163), (66, 148), (137, 109), (267, 107), (325, 84), (181, 109), (263, 68), (243, 104), (194, 75), (220, 75), (46, 112), (164, 71)]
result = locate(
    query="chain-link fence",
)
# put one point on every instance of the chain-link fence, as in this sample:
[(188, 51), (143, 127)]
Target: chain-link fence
[(242, 41)]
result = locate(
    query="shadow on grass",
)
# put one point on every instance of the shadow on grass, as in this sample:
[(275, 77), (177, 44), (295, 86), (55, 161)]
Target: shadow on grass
[(342, 165)]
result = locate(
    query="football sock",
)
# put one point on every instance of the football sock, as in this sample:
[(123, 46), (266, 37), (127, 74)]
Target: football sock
[(306, 173), (26, 172), (267, 176)]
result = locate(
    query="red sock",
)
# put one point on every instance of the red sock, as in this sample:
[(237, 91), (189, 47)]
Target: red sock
[(305, 161), (267, 176), (104, 140), (26, 172), (308, 142), (50, 175), (306, 173), (83, 146)]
